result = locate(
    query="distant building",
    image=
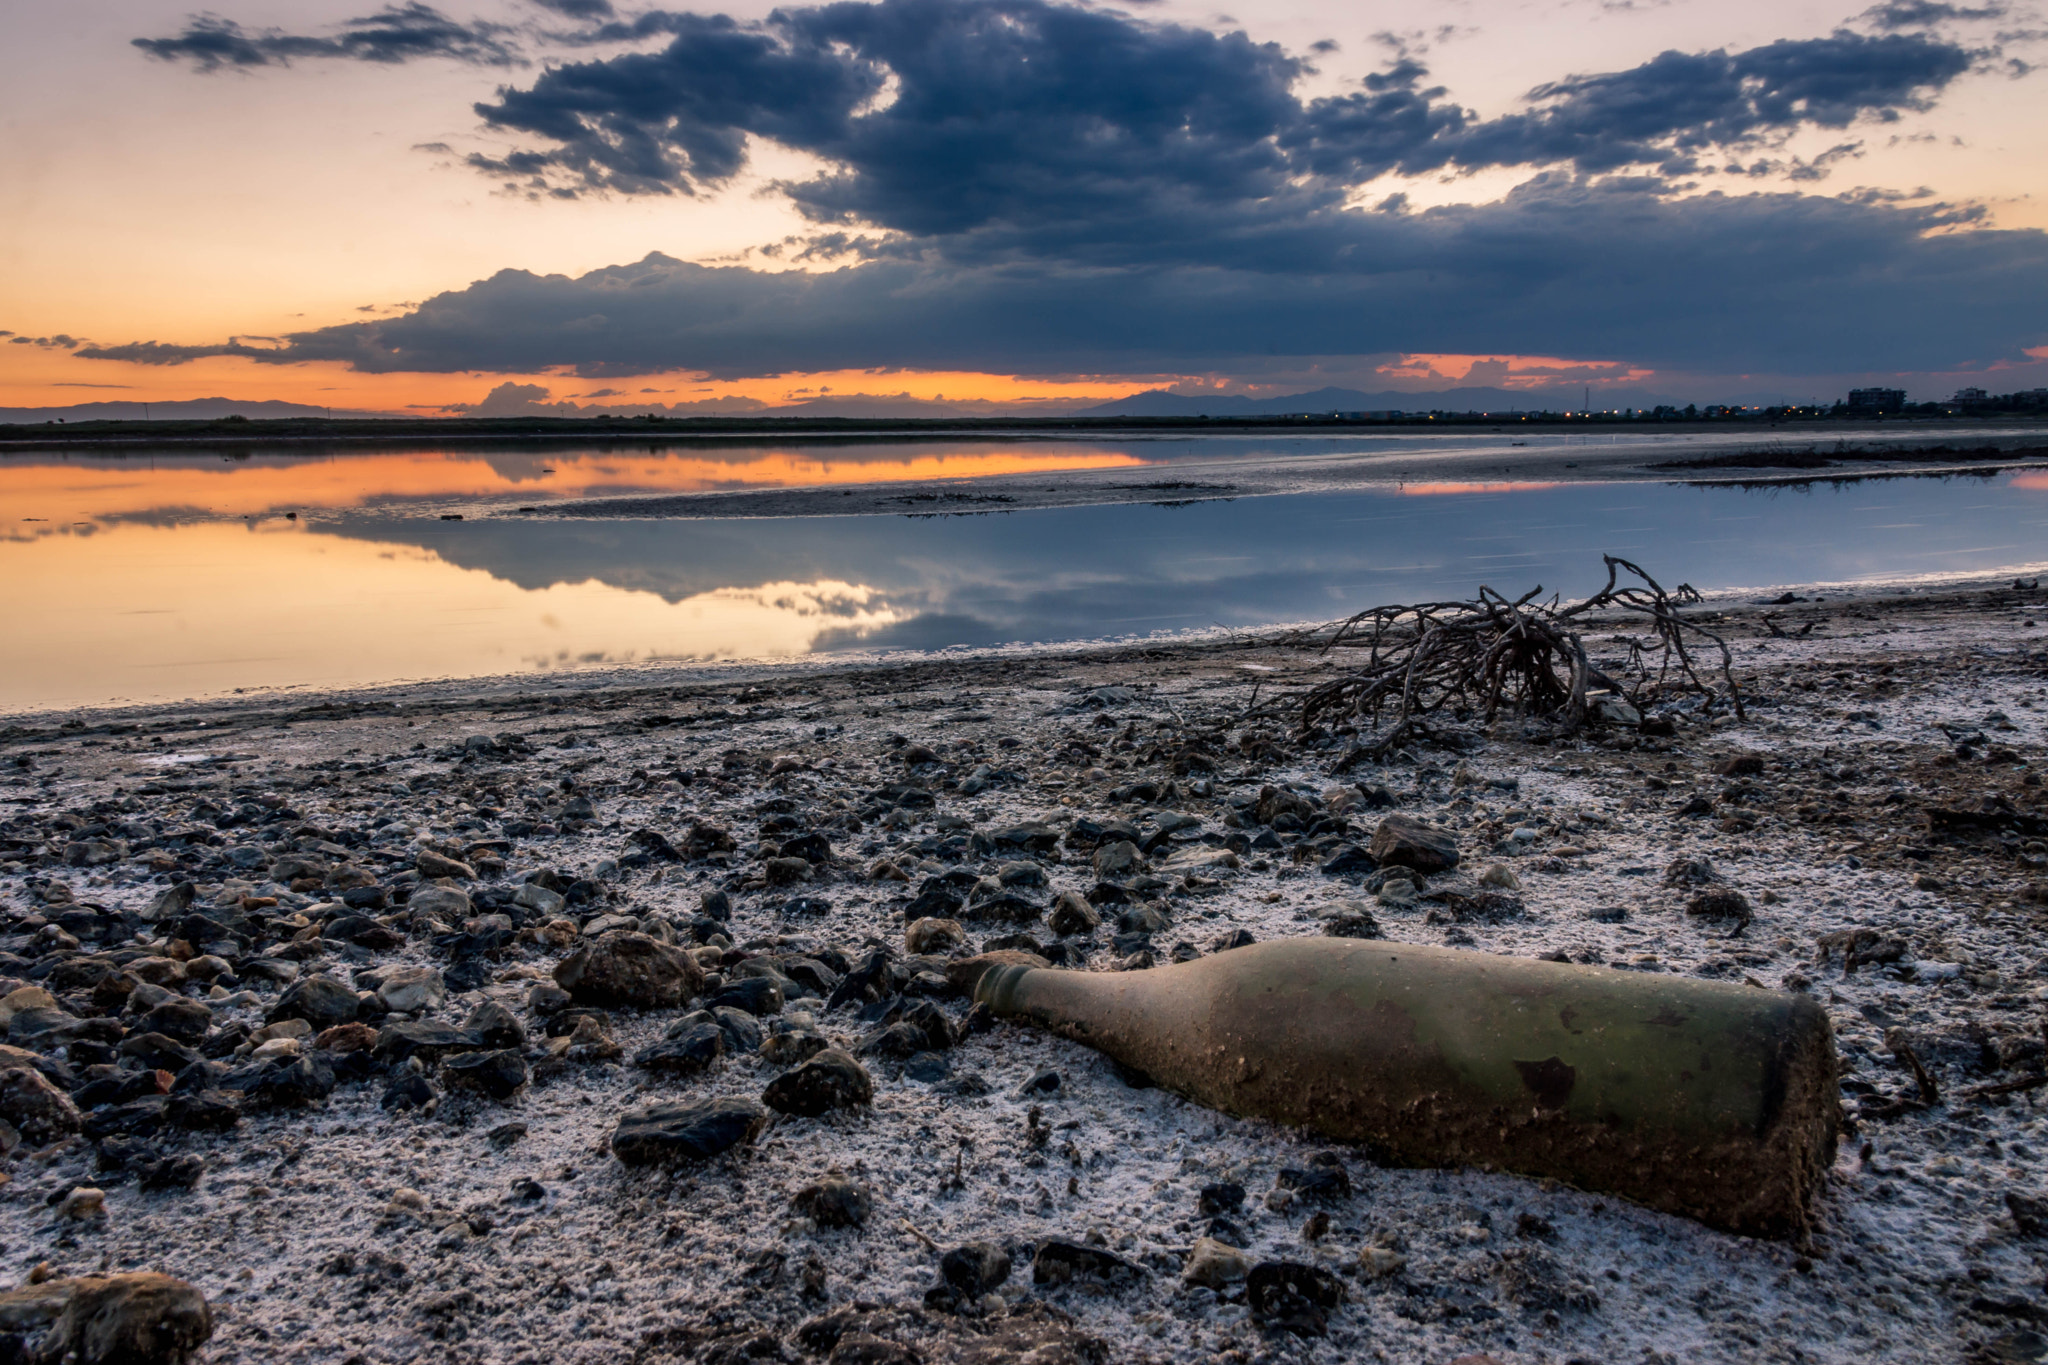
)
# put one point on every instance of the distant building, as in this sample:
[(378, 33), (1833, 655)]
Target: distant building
[(1877, 400), (1967, 397)]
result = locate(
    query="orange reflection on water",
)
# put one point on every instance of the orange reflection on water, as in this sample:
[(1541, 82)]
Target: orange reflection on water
[(58, 491), (1429, 490), (139, 613), (2035, 481)]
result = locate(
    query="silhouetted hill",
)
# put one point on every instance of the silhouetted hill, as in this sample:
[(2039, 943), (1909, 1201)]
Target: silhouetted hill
[(183, 410)]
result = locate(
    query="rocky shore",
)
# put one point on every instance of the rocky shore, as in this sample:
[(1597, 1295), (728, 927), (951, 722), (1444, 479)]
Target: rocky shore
[(630, 1020)]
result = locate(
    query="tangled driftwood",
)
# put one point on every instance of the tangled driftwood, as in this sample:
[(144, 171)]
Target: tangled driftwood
[(1491, 653)]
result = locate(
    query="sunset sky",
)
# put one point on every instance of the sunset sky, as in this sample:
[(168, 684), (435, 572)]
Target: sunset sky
[(1014, 202)]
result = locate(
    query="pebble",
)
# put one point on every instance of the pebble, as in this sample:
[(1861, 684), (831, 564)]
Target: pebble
[(1216, 1265), (829, 1080), (685, 1132), (1404, 841), (626, 968), (140, 1318), (834, 1203)]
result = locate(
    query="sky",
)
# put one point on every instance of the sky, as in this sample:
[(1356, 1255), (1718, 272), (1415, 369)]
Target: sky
[(1014, 205)]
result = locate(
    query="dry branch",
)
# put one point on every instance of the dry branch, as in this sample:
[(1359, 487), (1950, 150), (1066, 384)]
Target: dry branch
[(1491, 654)]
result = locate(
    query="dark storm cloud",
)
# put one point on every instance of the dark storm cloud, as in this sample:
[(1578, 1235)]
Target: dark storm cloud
[(944, 116), (1029, 187), (1897, 14), (397, 33), (1784, 282)]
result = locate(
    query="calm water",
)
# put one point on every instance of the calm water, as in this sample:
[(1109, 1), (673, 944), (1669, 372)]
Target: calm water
[(146, 578)]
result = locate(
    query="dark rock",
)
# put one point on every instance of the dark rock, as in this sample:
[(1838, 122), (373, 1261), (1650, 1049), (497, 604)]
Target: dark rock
[(830, 1080), (184, 1020), (685, 1132), (1720, 902), (426, 1039), (1348, 860), (705, 840), (1060, 1262), (687, 1053), (215, 1110), (834, 1203), (409, 1089), (1741, 765), (1293, 1297), (976, 1268), (812, 848), (1317, 1180), (1044, 1081), (137, 1118), (492, 1025), (758, 995), (321, 1001), (1072, 914), (1220, 1198), (927, 1068), (627, 968), (1236, 938), (156, 1051), (304, 1080), (498, 1074), (38, 1110), (1030, 838), (1404, 841)]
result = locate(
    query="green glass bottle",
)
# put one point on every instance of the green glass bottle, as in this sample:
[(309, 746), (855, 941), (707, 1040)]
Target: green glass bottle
[(1714, 1101)]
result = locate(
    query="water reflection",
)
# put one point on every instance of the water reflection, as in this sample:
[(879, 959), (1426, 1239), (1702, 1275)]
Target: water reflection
[(119, 594)]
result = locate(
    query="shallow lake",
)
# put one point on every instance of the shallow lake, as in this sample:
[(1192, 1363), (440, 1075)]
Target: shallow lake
[(142, 577)]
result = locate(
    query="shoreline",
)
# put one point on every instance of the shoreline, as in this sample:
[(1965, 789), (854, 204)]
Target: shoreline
[(1894, 703)]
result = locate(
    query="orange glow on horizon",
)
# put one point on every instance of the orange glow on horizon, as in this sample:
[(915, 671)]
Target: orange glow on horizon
[(33, 376)]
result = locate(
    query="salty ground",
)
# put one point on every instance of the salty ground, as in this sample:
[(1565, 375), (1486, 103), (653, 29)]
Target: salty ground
[(465, 1228)]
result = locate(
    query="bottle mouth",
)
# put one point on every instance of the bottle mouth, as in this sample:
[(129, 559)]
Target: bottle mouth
[(998, 987)]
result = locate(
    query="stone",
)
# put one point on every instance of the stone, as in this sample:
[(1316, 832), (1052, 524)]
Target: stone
[(83, 1202), (321, 1001), (933, 935), (1073, 915), (497, 1074), (975, 1269), (834, 1203), (757, 995), (685, 1132), (627, 968), (444, 903), (858, 1348), (1292, 1296), (1061, 1262), (27, 998), (537, 898), (715, 904), (133, 1319), (830, 1080), (182, 1019), (1404, 841), (431, 865), (1215, 1265), (693, 1050), (407, 990), (1502, 876), (212, 1110), (36, 1109), (1720, 902), (797, 1045), (1613, 710), (1741, 765), (1118, 859), (495, 1026)]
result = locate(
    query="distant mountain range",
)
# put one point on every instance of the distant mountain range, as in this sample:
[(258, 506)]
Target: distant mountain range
[(1161, 403), (183, 410)]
